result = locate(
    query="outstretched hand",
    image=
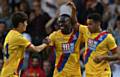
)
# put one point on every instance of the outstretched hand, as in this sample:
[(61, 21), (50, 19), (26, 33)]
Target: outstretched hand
[(46, 40)]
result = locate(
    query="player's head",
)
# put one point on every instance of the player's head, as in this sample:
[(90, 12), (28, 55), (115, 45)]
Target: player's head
[(19, 20), (65, 19), (94, 22)]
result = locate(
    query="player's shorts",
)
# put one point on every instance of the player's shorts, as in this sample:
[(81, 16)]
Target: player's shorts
[(66, 74)]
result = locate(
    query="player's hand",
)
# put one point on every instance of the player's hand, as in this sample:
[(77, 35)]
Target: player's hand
[(46, 40), (98, 59)]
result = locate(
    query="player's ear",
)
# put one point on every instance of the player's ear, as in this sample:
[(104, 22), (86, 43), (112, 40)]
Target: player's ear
[(20, 24), (98, 23)]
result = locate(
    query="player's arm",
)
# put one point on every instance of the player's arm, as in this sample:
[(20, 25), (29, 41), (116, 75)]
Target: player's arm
[(21, 41), (111, 44), (114, 57), (48, 41), (39, 48), (113, 48)]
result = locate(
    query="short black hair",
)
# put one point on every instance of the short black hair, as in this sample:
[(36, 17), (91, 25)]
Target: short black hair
[(18, 17), (95, 17)]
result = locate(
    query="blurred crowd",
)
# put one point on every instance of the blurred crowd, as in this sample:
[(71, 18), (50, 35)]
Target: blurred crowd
[(42, 21)]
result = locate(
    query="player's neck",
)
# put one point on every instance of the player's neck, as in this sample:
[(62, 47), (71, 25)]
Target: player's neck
[(98, 30), (18, 30), (66, 32)]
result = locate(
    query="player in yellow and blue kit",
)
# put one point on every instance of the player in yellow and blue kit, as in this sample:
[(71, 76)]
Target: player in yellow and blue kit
[(15, 45), (98, 44), (66, 43)]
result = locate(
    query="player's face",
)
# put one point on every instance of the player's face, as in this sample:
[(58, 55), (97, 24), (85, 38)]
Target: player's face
[(92, 26), (65, 24), (24, 26)]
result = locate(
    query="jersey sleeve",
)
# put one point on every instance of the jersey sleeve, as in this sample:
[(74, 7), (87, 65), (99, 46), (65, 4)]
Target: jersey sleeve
[(83, 31), (52, 38), (111, 42), (22, 41)]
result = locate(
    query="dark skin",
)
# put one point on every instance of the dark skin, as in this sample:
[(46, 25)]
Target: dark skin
[(65, 24), (114, 57)]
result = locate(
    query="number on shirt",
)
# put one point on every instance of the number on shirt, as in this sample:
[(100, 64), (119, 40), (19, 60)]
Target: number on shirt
[(6, 54)]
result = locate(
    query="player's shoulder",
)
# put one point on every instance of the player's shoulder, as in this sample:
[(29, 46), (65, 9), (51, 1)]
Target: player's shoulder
[(55, 32), (13, 34), (83, 28), (110, 35)]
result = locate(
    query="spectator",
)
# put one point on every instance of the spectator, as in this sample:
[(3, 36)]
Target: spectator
[(106, 13), (2, 36), (49, 61), (1, 64), (116, 33), (16, 8), (50, 7), (115, 8), (116, 30), (4, 8), (114, 11), (34, 69), (93, 6), (38, 20), (47, 68), (1, 8), (22, 6), (80, 10), (115, 66)]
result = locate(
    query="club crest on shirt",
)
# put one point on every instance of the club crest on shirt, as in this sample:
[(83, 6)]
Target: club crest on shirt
[(68, 47), (92, 44)]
